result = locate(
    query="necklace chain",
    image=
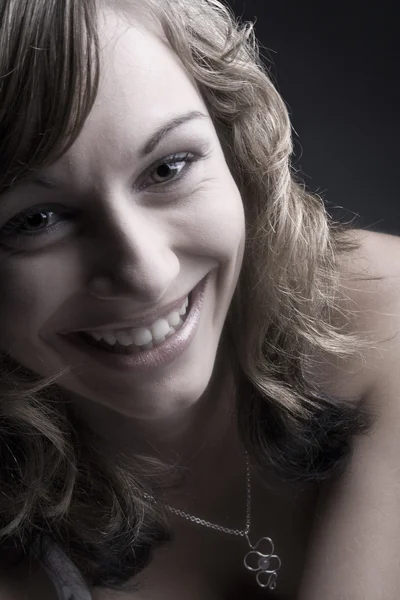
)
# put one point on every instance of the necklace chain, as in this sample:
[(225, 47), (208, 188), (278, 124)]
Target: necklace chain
[(238, 532), (261, 558)]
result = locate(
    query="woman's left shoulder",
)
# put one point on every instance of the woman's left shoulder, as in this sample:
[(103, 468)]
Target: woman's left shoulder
[(368, 303), (372, 285), (357, 521), (375, 292), (358, 513), (370, 278), (378, 258)]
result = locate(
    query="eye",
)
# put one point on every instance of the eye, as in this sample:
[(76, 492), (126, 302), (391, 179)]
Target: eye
[(173, 168), (44, 221), (37, 221)]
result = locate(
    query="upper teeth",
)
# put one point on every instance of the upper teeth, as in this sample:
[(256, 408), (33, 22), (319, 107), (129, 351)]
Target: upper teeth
[(143, 335)]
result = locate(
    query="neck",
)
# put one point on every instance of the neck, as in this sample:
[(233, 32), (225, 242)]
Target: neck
[(186, 437)]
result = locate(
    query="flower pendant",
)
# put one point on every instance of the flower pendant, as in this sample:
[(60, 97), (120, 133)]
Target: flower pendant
[(262, 560)]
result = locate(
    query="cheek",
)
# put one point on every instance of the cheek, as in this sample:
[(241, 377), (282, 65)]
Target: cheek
[(33, 290), (213, 221)]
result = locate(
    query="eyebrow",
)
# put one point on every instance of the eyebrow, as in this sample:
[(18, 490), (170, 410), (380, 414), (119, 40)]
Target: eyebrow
[(156, 138), (147, 149)]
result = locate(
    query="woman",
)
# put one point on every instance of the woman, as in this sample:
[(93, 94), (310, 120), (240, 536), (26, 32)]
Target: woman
[(191, 349)]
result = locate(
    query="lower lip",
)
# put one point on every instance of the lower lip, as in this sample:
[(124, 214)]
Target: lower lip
[(158, 356)]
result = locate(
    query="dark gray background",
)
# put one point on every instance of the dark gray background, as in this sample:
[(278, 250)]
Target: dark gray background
[(336, 64)]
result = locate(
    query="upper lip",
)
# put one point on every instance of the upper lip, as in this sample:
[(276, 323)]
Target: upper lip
[(146, 319)]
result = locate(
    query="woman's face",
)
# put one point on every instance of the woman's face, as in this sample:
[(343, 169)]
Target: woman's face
[(124, 229)]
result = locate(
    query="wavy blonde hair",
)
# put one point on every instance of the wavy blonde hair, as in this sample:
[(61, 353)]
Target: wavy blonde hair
[(52, 468)]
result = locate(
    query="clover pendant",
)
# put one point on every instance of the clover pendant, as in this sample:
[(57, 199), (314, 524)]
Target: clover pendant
[(262, 560)]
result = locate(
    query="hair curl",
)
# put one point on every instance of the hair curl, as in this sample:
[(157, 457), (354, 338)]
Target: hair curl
[(51, 467)]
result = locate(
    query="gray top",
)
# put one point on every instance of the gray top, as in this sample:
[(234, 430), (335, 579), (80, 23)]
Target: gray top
[(65, 576)]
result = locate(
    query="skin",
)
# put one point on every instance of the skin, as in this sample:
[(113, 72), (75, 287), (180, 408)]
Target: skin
[(134, 244), (354, 547)]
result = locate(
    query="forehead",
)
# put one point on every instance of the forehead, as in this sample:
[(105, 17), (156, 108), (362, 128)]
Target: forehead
[(142, 84), (137, 66)]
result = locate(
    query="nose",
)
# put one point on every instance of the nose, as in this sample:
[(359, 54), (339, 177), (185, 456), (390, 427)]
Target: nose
[(133, 258)]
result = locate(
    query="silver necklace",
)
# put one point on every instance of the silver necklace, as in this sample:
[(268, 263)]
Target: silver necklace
[(261, 558)]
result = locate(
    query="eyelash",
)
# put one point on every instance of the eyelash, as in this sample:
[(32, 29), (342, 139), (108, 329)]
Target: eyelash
[(12, 226)]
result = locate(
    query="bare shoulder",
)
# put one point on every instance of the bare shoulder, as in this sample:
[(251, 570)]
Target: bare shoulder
[(377, 260), (370, 279), (368, 303), (359, 510), (25, 581)]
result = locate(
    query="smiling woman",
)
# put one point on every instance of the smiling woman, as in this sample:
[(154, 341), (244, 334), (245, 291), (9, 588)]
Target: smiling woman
[(176, 312)]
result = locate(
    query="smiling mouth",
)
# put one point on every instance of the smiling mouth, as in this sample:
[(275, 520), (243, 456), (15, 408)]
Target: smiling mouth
[(111, 344), (145, 357)]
